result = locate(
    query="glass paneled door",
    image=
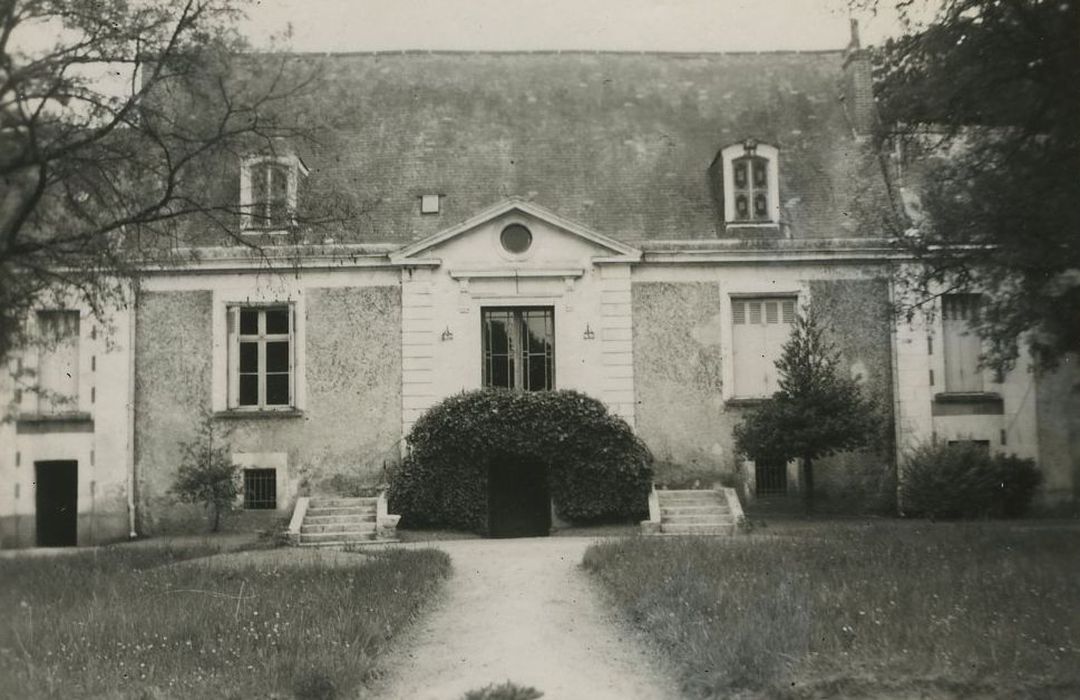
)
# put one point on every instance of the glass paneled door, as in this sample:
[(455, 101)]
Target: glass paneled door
[(519, 348)]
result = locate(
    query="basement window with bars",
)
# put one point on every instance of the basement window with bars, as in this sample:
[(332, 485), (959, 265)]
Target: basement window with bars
[(260, 489)]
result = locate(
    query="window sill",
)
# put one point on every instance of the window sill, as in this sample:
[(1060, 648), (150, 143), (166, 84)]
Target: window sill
[(71, 422), (751, 224), (269, 231), (746, 402), (976, 403), (260, 413), (66, 417), (967, 397)]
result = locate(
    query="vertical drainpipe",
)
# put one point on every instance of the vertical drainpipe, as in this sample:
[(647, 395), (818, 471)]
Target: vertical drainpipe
[(896, 400), (132, 534)]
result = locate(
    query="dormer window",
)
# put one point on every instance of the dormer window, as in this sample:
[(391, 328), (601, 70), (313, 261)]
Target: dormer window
[(750, 176), (268, 186)]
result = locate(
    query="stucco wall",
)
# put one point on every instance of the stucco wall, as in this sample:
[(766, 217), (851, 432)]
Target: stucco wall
[(351, 417), (683, 412), (172, 391), (677, 369), (1058, 403), (857, 315)]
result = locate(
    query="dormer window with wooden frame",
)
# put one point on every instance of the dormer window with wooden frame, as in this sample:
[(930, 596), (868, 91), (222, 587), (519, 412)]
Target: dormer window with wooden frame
[(268, 187), (751, 177)]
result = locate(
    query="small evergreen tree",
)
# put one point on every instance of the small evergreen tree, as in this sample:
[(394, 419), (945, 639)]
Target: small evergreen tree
[(817, 411), (207, 474)]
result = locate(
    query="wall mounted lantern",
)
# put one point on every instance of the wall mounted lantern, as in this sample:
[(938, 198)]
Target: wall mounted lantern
[(588, 334), (447, 334)]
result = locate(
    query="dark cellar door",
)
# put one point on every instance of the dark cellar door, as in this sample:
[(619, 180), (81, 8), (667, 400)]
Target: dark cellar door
[(56, 500), (519, 504)]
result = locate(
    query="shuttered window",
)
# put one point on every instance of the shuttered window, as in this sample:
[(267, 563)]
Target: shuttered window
[(751, 188), (760, 327), (58, 361), (961, 346)]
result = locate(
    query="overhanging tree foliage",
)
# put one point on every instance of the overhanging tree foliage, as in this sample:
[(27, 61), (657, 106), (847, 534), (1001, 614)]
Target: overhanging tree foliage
[(816, 412), (108, 135), (982, 100)]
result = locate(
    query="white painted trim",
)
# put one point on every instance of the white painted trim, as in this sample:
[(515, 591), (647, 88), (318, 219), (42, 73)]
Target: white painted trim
[(800, 290), (515, 204), (510, 273), (295, 168), (220, 366), (772, 155)]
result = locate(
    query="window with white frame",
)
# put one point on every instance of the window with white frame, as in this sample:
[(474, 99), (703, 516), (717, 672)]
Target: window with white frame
[(261, 357), (760, 327), (268, 189), (751, 189), (58, 361), (961, 345)]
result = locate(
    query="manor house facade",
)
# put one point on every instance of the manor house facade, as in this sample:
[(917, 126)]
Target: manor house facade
[(643, 228)]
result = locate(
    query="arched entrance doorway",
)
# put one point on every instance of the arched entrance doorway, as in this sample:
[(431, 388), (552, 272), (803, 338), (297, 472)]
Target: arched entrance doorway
[(519, 504)]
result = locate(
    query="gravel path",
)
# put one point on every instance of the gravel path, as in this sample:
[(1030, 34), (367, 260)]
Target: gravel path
[(523, 610)]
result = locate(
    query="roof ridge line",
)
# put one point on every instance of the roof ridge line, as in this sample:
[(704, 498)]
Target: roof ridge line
[(529, 52)]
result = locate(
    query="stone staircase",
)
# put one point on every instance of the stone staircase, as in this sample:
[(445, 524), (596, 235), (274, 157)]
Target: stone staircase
[(322, 521), (693, 512)]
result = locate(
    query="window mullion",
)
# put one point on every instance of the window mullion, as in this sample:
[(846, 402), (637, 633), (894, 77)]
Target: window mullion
[(262, 359)]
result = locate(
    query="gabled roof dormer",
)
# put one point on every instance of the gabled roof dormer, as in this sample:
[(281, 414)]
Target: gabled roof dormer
[(749, 179)]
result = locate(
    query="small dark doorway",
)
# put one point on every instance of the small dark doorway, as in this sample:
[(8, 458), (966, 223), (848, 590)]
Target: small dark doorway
[(56, 500), (519, 504)]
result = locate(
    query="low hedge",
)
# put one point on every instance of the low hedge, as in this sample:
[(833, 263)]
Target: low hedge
[(597, 469), (965, 481)]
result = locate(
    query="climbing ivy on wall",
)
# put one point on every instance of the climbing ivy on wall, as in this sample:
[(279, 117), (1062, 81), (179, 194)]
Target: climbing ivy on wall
[(597, 469)]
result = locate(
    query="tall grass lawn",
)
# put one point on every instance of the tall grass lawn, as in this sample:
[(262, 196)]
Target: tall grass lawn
[(890, 609), (133, 623)]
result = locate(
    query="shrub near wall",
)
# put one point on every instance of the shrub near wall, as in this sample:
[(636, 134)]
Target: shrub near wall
[(598, 470), (964, 481)]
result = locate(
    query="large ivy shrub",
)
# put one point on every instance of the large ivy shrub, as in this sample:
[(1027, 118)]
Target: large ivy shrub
[(965, 481), (597, 469)]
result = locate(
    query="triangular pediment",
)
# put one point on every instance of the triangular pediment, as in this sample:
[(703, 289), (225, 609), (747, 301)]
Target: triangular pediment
[(606, 249)]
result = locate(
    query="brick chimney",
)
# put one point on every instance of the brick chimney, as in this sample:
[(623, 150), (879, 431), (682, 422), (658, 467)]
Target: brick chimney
[(857, 89)]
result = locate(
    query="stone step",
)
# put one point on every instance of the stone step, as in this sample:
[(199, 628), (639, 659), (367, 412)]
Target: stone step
[(325, 502), (698, 519), (704, 509), (326, 519), (339, 510), (696, 529), (325, 537), (696, 495), (306, 529)]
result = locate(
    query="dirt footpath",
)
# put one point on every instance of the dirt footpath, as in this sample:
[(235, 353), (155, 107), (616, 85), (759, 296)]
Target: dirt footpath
[(522, 610)]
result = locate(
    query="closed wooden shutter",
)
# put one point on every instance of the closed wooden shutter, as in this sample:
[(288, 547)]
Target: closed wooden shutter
[(232, 322), (961, 346), (760, 327)]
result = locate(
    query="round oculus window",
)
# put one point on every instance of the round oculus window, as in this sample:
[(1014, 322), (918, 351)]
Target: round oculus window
[(515, 239)]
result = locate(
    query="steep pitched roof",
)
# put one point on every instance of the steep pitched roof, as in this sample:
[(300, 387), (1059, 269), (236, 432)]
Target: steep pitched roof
[(621, 142)]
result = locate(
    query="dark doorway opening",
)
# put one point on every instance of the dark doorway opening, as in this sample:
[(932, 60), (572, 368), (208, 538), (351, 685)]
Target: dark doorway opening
[(57, 503), (519, 504)]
